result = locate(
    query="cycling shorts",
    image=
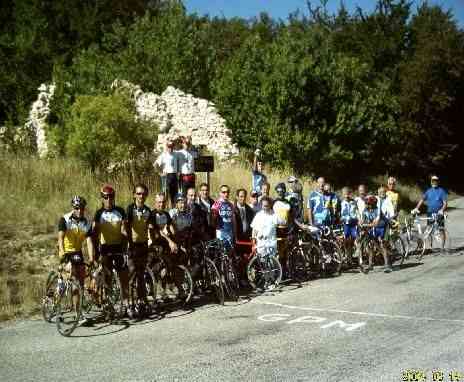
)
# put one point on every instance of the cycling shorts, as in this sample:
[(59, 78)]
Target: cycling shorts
[(377, 232), (350, 231), (75, 258), (113, 257)]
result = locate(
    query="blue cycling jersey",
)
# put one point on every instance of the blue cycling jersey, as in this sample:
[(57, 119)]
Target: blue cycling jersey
[(435, 197)]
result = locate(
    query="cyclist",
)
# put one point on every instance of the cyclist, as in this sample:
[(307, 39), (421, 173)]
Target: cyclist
[(223, 218), (182, 221), (295, 197), (331, 199), (264, 227), (392, 194), (361, 199), (73, 230), (167, 162), (285, 230), (349, 218), (436, 198), (199, 218), (319, 205), (254, 204), (162, 230), (163, 234), (258, 177), (138, 220), (373, 220), (110, 232)]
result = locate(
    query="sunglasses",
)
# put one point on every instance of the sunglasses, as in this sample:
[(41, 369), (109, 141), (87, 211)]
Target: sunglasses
[(141, 193), (107, 196)]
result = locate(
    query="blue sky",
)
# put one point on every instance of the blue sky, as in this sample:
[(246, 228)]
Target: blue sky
[(281, 8)]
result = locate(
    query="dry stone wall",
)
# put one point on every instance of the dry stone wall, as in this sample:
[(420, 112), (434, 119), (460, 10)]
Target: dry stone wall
[(180, 114)]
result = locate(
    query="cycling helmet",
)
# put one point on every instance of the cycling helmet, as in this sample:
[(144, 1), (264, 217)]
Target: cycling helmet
[(371, 200), (78, 202), (107, 190), (280, 188), (180, 196)]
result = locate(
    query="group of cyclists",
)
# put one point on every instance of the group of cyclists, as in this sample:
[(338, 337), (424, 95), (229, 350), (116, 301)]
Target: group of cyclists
[(120, 239)]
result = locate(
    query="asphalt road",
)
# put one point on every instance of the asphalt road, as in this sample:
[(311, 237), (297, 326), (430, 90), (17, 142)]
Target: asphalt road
[(355, 327)]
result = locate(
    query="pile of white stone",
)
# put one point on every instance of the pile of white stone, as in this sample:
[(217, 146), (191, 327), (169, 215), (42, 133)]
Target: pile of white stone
[(175, 112), (179, 114), (38, 115)]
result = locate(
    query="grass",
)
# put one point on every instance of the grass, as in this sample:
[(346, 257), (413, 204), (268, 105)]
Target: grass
[(35, 193)]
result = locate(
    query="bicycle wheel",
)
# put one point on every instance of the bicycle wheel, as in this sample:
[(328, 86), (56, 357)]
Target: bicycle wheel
[(331, 257), (112, 298), (151, 285), (264, 272), (297, 265), (397, 250), (213, 280), (229, 278), (50, 297), (69, 306)]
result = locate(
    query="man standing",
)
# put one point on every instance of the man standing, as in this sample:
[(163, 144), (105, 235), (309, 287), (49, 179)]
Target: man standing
[(138, 221), (167, 164), (206, 203), (319, 206), (258, 177), (199, 217), (223, 218), (244, 215), (110, 224), (392, 194), (435, 197), (186, 157)]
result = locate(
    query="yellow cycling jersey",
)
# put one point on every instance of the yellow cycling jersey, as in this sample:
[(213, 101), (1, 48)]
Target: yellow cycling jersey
[(138, 219), (76, 230), (282, 209), (109, 225), (394, 198)]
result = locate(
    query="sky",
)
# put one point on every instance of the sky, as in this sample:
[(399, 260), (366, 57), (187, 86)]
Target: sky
[(281, 8)]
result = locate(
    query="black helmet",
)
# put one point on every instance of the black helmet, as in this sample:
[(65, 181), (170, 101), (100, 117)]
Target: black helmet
[(280, 188), (78, 202)]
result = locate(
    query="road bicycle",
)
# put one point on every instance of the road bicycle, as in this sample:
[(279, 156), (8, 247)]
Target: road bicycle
[(221, 253), (206, 276), (420, 237), (165, 280), (264, 271), (322, 250)]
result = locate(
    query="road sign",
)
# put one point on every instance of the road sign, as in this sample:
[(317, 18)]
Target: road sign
[(204, 164)]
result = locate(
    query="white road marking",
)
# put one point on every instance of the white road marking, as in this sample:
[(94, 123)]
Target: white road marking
[(275, 317), (382, 315)]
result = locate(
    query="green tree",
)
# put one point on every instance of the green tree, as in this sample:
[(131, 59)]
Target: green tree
[(103, 131)]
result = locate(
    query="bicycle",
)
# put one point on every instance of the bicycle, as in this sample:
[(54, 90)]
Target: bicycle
[(323, 253), (264, 271), (174, 280), (395, 244), (68, 302), (418, 236), (205, 273), (221, 256)]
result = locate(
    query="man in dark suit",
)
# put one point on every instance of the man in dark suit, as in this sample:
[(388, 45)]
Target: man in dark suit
[(244, 215)]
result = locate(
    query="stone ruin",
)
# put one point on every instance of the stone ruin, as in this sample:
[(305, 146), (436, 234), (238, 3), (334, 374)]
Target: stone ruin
[(175, 112)]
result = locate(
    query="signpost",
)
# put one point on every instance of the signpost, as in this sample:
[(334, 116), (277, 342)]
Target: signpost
[(204, 164)]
